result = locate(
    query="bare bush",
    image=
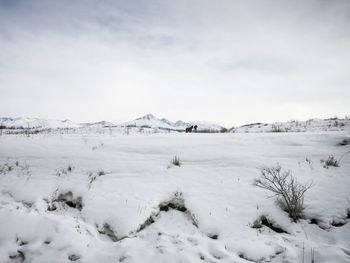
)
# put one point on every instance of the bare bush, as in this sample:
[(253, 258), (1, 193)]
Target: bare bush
[(289, 192)]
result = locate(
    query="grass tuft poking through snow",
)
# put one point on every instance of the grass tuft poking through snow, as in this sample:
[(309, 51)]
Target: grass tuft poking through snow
[(64, 171), (94, 176), (5, 168), (176, 161), (330, 161)]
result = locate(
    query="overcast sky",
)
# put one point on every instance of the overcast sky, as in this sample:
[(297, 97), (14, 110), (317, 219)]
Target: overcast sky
[(230, 62)]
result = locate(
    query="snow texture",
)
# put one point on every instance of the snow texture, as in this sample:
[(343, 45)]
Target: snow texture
[(109, 197)]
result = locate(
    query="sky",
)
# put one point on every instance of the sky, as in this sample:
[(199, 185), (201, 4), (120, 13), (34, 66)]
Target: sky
[(230, 62)]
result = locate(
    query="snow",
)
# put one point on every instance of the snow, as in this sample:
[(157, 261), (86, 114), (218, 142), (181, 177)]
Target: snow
[(213, 202)]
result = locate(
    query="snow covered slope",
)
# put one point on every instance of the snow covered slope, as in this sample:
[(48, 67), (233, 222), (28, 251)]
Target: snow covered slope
[(115, 198), (100, 124), (312, 125), (37, 123)]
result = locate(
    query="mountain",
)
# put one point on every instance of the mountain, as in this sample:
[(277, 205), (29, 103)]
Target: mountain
[(151, 121), (147, 121)]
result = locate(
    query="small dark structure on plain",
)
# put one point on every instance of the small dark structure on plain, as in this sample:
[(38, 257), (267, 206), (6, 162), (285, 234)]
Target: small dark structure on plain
[(189, 129)]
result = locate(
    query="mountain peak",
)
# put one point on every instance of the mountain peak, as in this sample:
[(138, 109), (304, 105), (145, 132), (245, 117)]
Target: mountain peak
[(148, 116)]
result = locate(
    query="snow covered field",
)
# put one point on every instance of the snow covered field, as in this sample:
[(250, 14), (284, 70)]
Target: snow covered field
[(117, 198)]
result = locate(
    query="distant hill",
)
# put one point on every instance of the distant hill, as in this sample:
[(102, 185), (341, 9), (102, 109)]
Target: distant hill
[(311, 125)]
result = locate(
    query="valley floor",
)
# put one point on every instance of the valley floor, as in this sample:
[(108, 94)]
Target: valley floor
[(118, 198)]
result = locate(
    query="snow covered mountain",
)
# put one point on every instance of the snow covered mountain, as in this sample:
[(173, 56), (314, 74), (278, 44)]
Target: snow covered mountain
[(311, 125), (147, 121), (151, 121)]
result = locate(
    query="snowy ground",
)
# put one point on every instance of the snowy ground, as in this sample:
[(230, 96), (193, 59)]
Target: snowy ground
[(117, 198)]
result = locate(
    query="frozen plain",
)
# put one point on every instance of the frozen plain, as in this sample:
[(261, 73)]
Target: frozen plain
[(109, 198)]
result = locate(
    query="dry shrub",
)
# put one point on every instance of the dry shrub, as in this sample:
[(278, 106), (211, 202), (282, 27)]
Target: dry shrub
[(290, 193)]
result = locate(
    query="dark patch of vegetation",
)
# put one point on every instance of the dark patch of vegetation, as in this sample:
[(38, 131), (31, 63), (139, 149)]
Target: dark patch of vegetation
[(19, 256), (308, 161), (176, 161), (122, 258), (267, 223), (149, 221), (22, 169), (67, 199), (100, 172), (51, 207), (20, 242), (108, 231), (289, 192), (319, 223), (264, 221), (213, 236), (344, 142), (330, 161), (314, 221), (64, 171), (346, 252), (73, 257), (338, 223), (276, 128), (94, 176), (5, 168), (242, 255), (175, 203)]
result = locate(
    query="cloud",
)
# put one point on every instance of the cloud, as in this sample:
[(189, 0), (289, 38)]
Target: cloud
[(228, 61)]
